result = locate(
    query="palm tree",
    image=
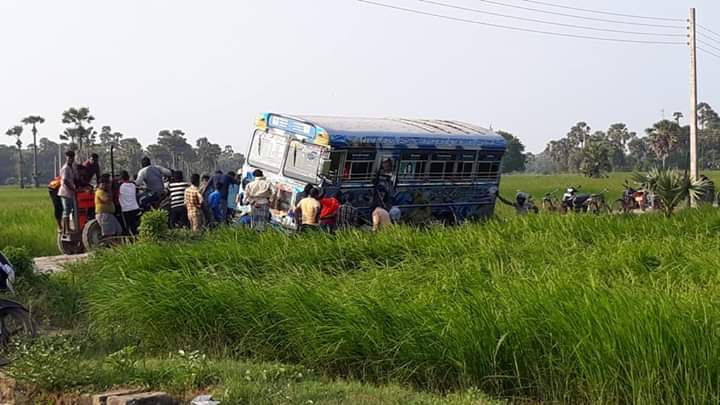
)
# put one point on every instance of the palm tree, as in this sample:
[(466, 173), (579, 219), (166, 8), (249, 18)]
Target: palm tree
[(16, 131), (579, 134), (706, 115), (663, 136), (81, 119), (34, 120), (677, 115), (671, 187)]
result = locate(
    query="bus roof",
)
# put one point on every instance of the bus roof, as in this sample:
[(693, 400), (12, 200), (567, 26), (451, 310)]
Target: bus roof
[(346, 132)]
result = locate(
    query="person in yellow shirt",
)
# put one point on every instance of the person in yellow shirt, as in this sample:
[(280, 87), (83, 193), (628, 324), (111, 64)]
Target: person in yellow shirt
[(308, 210), (105, 208)]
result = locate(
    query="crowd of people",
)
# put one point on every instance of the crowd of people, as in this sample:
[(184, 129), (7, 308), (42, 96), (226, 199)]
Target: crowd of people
[(203, 201)]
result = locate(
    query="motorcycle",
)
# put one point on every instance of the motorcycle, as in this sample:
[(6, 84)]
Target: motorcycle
[(593, 203), (572, 201)]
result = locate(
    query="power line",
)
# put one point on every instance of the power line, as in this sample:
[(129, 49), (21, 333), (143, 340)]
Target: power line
[(708, 30), (475, 10), (708, 45), (708, 37), (603, 12), (709, 53), (508, 27), (537, 10)]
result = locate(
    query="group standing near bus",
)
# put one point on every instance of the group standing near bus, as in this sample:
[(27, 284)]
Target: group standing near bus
[(307, 174)]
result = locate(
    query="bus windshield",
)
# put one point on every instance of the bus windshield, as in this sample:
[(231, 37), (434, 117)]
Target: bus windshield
[(268, 150), (303, 161)]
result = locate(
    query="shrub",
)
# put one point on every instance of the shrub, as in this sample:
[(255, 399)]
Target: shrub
[(21, 260), (671, 187), (49, 364), (154, 226)]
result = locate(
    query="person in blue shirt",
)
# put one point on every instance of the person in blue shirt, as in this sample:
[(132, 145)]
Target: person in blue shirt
[(217, 204), (232, 194)]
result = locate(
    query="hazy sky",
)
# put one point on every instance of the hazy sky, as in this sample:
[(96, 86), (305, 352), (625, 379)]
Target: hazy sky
[(208, 67)]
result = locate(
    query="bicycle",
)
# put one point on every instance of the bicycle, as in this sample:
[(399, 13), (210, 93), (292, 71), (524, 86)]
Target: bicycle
[(550, 202), (596, 203)]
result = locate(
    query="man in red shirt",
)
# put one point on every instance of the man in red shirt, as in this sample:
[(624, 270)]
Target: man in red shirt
[(328, 211), (92, 169)]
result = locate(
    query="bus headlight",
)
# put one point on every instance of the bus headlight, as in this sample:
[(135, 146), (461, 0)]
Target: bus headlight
[(322, 137), (261, 121)]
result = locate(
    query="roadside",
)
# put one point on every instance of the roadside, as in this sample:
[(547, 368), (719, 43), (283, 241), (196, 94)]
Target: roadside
[(56, 264)]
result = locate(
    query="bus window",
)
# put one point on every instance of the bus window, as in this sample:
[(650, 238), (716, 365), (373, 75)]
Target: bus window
[(488, 166), (412, 166), (358, 166), (267, 151), (442, 165), (466, 164), (465, 169), (303, 161), (336, 162)]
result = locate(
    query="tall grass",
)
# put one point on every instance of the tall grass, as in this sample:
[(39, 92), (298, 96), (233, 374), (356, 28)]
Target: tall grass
[(570, 309)]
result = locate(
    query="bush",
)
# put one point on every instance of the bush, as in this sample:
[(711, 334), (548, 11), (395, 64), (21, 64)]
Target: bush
[(154, 226), (21, 260), (49, 364)]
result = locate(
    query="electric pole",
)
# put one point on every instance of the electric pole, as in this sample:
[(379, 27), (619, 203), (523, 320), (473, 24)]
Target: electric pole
[(693, 95)]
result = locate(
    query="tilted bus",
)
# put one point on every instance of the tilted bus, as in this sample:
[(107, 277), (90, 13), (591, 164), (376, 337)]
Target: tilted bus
[(441, 170)]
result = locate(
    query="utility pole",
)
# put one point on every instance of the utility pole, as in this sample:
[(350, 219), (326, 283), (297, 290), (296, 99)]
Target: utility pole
[(693, 95)]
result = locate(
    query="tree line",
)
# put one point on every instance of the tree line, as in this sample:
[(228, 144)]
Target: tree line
[(666, 144), (35, 160), (581, 150)]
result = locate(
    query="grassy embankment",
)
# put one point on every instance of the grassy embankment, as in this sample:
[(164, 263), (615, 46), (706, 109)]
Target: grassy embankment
[(611, 309), (570, 309)]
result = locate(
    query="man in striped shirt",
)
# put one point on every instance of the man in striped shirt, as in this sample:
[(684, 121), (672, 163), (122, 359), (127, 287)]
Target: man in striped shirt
[(178, 211)]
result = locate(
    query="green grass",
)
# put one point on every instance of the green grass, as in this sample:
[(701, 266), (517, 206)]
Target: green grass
[(26, 219), (589, 309), (615, 309), (82, 366)]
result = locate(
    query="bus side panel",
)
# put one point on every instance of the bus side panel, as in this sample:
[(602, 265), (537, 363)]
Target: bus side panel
[(436, 202)]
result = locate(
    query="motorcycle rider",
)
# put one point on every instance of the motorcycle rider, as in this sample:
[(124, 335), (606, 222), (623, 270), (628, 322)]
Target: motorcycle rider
[(151, 177), (523, 203)]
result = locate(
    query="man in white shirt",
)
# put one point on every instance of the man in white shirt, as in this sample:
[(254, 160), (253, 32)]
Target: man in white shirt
[(129, 204), (258, 194), (68, 190)]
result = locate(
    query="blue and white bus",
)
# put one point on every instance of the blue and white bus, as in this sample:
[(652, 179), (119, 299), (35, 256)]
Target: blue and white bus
[(432, 170)]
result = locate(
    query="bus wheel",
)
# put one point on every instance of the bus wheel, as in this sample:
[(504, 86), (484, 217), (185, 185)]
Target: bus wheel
[(447, 219), (69, 248), (92, 235)]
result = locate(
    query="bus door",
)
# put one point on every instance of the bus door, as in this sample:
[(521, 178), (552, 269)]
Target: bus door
[(386, 176), (387, 166)]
